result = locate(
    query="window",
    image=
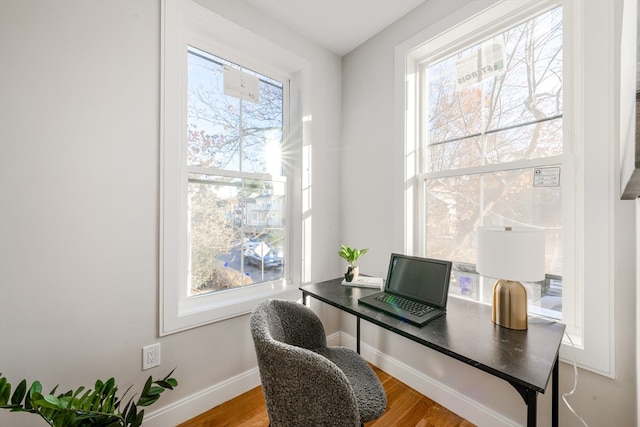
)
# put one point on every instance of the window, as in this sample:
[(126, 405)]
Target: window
[(491, 150), (227, 161), (236, 188), (579, 224)]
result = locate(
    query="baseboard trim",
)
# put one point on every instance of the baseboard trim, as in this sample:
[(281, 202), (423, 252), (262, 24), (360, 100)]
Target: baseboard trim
[(198, 403)]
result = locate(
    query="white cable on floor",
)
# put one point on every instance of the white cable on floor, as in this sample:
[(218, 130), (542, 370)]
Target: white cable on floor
[(575, 382)]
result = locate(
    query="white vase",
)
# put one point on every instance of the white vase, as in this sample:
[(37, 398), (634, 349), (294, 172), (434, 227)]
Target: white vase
[(353, 272)]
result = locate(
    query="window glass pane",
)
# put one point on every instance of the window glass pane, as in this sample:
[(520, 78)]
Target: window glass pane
[(236, 230), (452, 214), (457, 206), (500, 100), (226, 132), (457, 154), (262, 130), (213, 117), (536, 140), (510, 199), (213, 233)]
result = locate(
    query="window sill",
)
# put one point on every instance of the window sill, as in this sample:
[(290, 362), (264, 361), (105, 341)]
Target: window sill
[(216, 307)]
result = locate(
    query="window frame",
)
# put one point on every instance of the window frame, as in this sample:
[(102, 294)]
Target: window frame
[(592, 289), (189, 24)]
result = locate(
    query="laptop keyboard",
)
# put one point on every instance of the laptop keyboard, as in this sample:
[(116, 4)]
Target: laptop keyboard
[(413, 307)]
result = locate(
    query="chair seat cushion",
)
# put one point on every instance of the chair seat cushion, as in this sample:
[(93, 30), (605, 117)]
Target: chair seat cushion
[(370, 395)]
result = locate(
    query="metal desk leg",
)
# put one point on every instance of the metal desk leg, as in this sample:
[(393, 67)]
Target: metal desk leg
[(304, 298), (532, 406), (554, 394), (357, 334), (530, 398)]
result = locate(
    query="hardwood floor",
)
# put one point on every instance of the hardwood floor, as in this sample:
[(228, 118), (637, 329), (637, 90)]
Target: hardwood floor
[(405, 408)]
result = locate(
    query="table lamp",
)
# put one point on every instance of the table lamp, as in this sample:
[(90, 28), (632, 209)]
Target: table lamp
[(511, 255)]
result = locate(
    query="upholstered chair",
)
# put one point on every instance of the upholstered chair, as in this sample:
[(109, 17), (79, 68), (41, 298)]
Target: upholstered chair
[(305, 383)]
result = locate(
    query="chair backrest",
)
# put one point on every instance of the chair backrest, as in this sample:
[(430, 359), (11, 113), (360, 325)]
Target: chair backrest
[(289, 323), (301, 387)]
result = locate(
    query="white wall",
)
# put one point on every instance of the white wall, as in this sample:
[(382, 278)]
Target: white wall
[(79, 182), (368, 135), (79, 169)]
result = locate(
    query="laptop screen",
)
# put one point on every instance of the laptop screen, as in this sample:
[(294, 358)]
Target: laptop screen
[(423, 279)]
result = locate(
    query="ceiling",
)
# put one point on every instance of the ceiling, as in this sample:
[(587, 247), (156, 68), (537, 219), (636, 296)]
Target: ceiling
[(338, 25)]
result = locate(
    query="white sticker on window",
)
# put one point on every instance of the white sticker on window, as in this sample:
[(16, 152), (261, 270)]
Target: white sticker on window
[(480, 65), (241, 85), (546, 177)]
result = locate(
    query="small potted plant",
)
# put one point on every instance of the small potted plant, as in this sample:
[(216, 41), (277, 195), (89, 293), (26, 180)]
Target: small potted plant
[(351, 255)]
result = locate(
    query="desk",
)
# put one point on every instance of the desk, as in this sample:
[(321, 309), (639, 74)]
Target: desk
[(525, 359)]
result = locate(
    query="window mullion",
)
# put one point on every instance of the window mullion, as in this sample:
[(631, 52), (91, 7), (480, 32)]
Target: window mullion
[(496, 167), (232, 174)]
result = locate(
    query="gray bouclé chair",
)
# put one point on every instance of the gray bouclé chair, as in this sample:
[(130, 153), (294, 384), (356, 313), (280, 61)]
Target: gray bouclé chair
[(305, 383)]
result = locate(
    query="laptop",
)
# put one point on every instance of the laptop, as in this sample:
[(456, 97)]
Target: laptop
[(416, 289)]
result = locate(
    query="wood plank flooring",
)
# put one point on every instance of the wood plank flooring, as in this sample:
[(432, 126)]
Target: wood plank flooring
[(405, 408)]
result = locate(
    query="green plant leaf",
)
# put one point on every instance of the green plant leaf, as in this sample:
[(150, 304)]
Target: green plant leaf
[(155, 390), (45, 402), (18, 395), (147, 386), (148, 400), (170, 383), (52, 400), (108, 387), (137, 421), (36, 388), (351, 254), (130, 412), (74, 398), (5, 391)]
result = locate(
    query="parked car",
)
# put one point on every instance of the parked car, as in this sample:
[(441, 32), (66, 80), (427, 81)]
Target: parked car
[(271, 260), (251, 243)]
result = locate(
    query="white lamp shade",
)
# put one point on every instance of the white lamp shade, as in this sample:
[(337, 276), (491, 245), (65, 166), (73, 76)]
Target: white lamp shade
[(511, 253)]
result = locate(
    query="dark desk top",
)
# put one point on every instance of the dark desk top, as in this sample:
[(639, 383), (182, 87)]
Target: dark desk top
[(466, 333)]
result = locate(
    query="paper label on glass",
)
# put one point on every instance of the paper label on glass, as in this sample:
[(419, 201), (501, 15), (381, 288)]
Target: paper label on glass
[(480, 65), (546, 177), (241, 85)]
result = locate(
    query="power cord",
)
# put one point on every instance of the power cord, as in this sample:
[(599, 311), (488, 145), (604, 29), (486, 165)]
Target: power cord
[(575, 382)]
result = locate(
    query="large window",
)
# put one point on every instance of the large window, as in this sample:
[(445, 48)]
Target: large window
[(491, 150), (529, 99), (228, 156)]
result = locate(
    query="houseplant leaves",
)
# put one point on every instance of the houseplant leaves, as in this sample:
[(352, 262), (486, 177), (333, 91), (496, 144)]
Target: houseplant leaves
[(81, 407)]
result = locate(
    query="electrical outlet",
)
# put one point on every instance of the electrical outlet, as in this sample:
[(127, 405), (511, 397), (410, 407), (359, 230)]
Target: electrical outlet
[(150, 356)]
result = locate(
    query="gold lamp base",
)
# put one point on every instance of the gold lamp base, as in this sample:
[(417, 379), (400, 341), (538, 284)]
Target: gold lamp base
[(509, 305)]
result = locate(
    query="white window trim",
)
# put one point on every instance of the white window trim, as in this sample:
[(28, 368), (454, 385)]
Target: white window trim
[(187, 23), (591, 122)]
